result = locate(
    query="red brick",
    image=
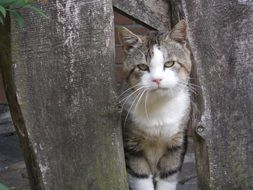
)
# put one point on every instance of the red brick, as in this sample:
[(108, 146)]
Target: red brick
[(116, 36), (119, 19), (119, 55), (139, 30), (119, 73)]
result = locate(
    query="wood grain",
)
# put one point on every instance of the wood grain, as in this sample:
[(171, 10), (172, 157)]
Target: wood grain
[(154, 14), (61, 93), (221, 39)]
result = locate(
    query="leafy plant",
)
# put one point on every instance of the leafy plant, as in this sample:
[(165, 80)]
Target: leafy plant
[(13, 7), (2, 187)]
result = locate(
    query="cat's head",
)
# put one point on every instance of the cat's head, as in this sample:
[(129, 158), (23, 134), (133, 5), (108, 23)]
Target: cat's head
[(157, 62)]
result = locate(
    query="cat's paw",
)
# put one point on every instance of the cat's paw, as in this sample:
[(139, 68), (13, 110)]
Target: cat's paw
[(141, 183), (166, 185)]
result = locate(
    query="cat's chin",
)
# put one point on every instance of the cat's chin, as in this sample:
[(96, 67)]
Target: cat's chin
[(160, 91), (163, 91)]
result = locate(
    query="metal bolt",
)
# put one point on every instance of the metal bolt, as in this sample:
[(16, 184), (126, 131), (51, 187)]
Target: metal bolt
[(200, 129)]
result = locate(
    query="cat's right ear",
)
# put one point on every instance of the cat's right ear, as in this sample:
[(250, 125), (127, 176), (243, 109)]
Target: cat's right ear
[(179, 32), (128, 39)]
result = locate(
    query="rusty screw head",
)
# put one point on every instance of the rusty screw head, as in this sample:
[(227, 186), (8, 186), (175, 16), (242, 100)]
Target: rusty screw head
[(200, 129)]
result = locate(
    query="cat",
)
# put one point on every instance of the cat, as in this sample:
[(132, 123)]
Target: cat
[(157, 106)]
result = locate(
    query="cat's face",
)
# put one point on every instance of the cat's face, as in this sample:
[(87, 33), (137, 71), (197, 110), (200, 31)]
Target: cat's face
[(157, 62)]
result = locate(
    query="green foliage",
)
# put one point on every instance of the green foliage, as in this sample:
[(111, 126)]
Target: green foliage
[(13, 7), (2, 187)]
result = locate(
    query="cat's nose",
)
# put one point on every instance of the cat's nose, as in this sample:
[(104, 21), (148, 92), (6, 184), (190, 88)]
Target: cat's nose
[(157, 81)]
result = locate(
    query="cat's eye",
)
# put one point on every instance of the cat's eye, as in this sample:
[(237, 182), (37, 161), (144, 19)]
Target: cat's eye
[(169, 64), (143, 67)]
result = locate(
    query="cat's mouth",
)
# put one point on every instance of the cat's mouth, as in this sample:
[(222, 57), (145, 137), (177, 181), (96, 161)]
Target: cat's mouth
[(159, 88)]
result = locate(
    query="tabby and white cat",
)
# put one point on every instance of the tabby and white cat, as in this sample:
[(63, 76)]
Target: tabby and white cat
[(157, 106)]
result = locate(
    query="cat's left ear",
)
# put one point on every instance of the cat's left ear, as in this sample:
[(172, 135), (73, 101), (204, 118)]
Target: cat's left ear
[(128, 39), (179, 32)]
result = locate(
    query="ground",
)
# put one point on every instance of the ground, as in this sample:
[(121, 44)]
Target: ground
[(12, 167)]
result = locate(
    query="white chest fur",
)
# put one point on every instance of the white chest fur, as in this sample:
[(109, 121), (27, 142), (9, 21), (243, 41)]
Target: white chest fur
[(162, 115)]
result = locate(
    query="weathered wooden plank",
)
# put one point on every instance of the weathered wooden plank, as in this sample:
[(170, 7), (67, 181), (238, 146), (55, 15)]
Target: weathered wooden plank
[(155, 14), (221, 39), (61, 93)]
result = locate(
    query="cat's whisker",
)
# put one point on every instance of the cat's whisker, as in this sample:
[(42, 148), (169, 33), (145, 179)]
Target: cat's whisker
[(146, 99), (192, 78), (194, 92), (128, 98), (194, 89), (195, 85), (128, 90), (139, 99), (191, 88), (131, 107), (191, 84), (131, 94)]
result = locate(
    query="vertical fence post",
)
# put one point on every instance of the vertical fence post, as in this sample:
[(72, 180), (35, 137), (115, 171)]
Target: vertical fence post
[(59, 82), (221, 39)]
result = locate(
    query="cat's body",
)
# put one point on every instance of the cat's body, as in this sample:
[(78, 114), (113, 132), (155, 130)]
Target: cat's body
[(157, 108)]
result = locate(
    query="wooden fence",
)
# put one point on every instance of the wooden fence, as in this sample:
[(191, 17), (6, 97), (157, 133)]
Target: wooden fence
[(58, 76)]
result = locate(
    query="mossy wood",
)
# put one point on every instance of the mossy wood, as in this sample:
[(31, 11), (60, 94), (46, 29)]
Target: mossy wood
[(221, 40), (58, 76)]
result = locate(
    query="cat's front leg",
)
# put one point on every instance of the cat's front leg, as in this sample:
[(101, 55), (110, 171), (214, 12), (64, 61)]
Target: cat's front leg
[(169, 167), (167, 180), (139, 174)]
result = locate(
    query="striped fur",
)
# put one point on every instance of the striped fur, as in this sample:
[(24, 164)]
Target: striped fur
[(156, 112)]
